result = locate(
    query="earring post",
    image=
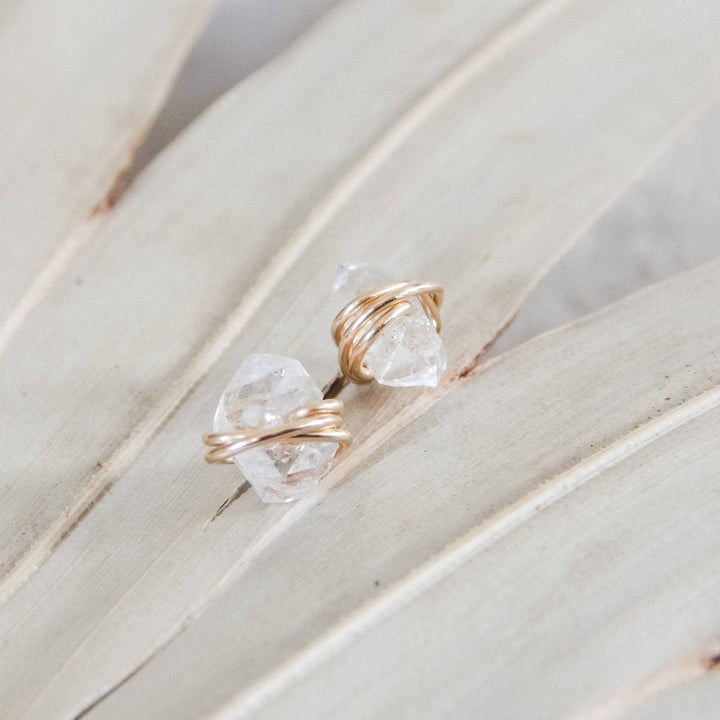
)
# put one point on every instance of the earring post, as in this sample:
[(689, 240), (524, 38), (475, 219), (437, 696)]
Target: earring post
[(335, 386)]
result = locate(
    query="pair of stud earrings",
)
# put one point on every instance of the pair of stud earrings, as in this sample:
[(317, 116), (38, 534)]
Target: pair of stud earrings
[(281, 429)]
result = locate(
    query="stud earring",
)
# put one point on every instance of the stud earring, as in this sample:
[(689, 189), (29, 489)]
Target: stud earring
[(386, 331), (274, 424)]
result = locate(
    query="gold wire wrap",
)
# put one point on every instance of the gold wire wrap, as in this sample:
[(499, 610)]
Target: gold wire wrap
[(357, 325), (318, 422)]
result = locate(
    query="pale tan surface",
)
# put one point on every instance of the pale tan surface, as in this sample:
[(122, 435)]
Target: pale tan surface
[(164, 288), (80, 84), (669, 221), (482, 146), (556, 588)]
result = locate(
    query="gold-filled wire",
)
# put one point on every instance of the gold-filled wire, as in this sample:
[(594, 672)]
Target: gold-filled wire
[(357, 325), (317, 422)]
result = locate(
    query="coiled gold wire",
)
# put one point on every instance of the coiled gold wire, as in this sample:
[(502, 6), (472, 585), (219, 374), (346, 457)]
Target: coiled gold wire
[(357, 325), (318, 422)]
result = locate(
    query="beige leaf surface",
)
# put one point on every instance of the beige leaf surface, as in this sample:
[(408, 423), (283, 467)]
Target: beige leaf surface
[(597, 420), (81, 83), (689, 690), (165, 285), (476, 162), (130, 342), (561, 602)]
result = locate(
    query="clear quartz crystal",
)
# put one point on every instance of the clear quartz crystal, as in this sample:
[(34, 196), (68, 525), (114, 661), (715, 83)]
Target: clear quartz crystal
[(262, 392), (409, 351)]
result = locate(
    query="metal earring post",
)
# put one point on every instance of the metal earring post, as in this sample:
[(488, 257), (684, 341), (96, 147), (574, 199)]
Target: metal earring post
[(335, 387)]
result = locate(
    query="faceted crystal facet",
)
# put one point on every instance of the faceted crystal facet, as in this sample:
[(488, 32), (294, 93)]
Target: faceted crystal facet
[(409, 351), (262, 392)]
